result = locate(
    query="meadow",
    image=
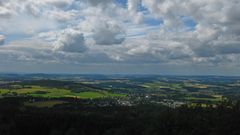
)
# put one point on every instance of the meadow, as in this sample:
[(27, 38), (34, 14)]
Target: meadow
[(48, 92)]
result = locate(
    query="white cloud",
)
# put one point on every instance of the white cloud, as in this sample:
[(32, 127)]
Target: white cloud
[(101, 31), (60, 15), (70, 41), (108, 33), (26, 25), (4, 12), (56, 3), (133, 6)]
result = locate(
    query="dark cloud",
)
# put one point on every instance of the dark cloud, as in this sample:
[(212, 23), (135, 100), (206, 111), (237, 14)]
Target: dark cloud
[(99, 2), (2, 39), (228, 48)]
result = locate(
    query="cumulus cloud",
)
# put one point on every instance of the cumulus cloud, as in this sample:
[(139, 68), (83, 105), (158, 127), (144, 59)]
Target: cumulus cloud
[(62, 4), (70, 41), (133, 6), (142, 31), (108, 33), (26, 51), (4, 12), (62, 16)]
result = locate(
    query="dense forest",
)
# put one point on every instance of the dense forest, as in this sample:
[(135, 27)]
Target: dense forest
[(143, 119)]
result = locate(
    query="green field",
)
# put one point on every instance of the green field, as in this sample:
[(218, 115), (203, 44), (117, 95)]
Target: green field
[(45, 92), (203, 99), (191, 92)]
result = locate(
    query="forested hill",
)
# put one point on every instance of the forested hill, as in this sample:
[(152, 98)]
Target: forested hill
[(145, 119)]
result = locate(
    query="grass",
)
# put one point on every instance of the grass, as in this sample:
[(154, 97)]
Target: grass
[(87, 95), (3, 91), (203, 99), (37, 91)]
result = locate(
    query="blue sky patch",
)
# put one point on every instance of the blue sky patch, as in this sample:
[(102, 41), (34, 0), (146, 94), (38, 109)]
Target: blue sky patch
[(122, 3), (15, 37), (153, 22), (189, 22)]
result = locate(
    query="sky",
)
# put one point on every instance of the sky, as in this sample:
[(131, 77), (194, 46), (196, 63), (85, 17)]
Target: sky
[(168, 37)]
